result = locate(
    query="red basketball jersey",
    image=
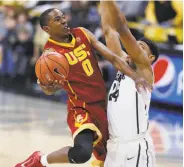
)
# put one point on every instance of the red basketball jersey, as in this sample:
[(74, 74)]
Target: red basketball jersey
[(84, 81)]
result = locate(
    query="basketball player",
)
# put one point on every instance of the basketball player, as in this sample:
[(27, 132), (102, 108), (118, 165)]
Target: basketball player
[(86, 91), (129, 144)]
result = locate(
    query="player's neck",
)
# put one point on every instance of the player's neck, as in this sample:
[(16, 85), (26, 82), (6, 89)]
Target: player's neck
[(65, 39)]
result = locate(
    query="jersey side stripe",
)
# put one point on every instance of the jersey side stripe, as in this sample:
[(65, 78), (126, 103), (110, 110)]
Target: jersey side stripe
[(137, 113), (147, 152), (138, 156), (72, 90)]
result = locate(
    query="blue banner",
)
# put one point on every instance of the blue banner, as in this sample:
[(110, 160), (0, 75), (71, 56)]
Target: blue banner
[(166, 129), (168, 86)]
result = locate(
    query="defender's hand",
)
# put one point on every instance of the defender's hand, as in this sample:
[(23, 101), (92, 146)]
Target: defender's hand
[(142, 84)]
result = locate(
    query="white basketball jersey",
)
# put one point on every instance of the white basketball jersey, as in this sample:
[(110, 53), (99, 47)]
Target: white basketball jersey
[(127, 109)]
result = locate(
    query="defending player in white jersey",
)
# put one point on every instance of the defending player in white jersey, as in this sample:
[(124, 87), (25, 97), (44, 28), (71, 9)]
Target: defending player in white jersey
[(129, 145)]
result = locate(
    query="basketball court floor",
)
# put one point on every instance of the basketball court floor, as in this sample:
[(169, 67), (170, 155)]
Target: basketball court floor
[(30, 124)]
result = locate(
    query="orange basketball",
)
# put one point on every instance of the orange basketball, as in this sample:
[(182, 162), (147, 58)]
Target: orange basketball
[(51, 66)]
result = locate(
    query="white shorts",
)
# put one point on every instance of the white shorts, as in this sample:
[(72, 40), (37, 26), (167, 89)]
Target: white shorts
[(134, 153)]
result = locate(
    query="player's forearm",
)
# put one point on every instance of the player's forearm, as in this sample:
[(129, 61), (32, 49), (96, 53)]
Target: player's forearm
[(122, 66), (117, 21), (111, 14), (113, 41)]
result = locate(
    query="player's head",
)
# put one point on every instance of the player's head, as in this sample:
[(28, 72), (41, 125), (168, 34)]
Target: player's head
[(53, 21), (150, 48)]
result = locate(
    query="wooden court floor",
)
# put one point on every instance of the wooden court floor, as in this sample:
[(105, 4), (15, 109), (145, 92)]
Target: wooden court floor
[(30, 124)]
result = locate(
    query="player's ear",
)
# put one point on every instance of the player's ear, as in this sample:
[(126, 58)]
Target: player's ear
[(151, 57), (46, 29)]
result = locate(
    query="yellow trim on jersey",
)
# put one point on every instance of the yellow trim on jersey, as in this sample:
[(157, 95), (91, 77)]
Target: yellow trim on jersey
[(85, 34), (92, 127), (98, 163), (71, 44), (84, 105), (72, 102), (72, 90)]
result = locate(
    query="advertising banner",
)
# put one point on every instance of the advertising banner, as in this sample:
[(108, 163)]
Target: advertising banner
[(168, 86), (166, 129)]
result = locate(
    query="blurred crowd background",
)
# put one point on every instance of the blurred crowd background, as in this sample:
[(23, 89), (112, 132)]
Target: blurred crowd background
[(22, 41)]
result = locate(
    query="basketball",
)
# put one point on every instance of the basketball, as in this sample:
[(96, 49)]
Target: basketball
[(51, 66)]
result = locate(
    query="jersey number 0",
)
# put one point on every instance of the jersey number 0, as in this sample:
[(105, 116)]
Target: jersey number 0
[(80, 55)]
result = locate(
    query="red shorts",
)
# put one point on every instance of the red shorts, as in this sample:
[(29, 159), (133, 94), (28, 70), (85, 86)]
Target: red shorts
[(90, 116)]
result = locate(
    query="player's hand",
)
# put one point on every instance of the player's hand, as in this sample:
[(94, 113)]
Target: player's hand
[(142, 85), (51, 87)]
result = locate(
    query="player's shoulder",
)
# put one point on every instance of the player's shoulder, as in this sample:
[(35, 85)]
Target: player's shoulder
[(81, 31), (78, 30)]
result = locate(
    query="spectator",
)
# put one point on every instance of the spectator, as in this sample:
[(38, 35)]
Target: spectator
[(79, 14), (22, 20), (23, 52), (40, 38), (163, 12), (93, 17), (133, 10), (7, 40)]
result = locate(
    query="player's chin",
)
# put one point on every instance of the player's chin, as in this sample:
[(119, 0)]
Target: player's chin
[(68, 31)]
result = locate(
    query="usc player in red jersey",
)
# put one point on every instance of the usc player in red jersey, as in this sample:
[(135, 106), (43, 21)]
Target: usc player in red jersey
[(86, 91)]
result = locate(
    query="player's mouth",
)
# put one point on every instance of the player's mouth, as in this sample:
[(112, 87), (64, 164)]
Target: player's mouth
[(66, 27)]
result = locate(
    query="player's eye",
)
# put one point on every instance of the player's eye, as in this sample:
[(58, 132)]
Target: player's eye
[(57, 19)]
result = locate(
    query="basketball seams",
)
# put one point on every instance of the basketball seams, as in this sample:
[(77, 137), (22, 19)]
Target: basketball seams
[(46, 63), (58, 64), (48, 67)]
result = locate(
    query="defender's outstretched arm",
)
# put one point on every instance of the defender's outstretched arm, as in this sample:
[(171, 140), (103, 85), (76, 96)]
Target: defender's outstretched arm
[(118, 62), (112, 38), (112, 15)]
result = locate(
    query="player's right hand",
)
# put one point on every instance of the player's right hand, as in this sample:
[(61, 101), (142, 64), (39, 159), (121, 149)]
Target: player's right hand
[(51, 87), (142, 85)]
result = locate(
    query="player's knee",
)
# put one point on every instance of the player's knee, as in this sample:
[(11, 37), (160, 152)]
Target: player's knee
[(79, 154)]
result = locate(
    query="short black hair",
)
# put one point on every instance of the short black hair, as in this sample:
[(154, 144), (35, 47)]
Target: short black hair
[(153, 47), (44, 17)]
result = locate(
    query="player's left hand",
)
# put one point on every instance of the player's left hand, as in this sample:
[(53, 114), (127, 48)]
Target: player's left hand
[(52, 87), (142, 84)]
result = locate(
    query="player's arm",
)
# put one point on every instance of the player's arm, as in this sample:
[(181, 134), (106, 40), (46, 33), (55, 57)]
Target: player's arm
[(112, 40), (119, 63), (111, 13)]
